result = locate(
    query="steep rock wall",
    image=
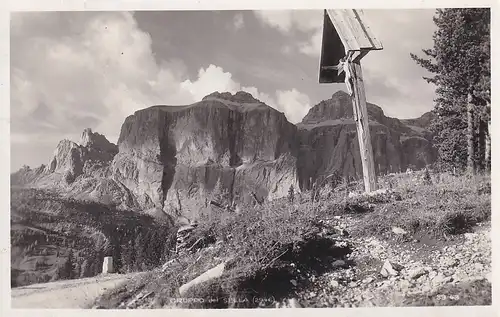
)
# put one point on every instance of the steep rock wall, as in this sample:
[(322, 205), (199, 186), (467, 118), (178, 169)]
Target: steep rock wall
[(170, 154), (328, 142)]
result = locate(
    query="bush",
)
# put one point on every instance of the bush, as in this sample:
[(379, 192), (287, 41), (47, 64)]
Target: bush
[(291, 194)]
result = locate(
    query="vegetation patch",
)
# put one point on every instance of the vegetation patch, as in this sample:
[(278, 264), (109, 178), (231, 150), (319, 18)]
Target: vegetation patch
[(55, 238), (450, 207)]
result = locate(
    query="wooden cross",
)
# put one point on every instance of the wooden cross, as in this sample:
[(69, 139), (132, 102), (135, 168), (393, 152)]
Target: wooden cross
[(346, 39)]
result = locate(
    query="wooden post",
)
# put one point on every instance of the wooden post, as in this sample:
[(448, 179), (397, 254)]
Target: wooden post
[(361, 117), (346, 33)]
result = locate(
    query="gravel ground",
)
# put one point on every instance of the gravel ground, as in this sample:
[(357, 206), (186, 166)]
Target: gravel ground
[(418, 270)]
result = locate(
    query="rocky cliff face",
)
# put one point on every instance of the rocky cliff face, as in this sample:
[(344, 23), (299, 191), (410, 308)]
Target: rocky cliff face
[(170, 158), (328, 141)]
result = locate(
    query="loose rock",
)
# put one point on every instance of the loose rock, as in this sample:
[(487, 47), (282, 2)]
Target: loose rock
[(293, 303), (338, 264), (390, 269), (208, 275), (418, 273), (399, 231)]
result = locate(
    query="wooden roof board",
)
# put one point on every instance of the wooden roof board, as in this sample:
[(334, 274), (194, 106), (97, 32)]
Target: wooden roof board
[(343, 31), (332, 51), (353, 30), (377, 44), (341, 23)]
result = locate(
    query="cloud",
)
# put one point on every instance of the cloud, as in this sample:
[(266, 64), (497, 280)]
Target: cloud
[(238, 21), (391, 77), (211, 79), (292, 103), (309, 22), (287, 20), (96, 74), (74, 70), (312, 47), (281, 20), (287, 50)]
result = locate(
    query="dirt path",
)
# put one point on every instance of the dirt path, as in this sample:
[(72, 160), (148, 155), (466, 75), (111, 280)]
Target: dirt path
[(65, 294)]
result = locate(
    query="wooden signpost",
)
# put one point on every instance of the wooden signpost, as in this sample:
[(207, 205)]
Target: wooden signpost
[(346, 39)]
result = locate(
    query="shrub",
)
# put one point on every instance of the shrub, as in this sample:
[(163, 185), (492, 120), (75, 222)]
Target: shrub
[(291, 195), (427, 177)]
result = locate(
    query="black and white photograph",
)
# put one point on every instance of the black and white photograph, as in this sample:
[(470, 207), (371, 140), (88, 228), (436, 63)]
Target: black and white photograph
[(244, 159)]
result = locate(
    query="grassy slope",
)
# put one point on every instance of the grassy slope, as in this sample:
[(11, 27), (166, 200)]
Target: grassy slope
[(45, 227), (280, 241)]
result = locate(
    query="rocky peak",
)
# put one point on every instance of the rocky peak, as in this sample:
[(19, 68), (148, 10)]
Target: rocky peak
[(423, 121), (339, 107), (240, 96), (97, 141)]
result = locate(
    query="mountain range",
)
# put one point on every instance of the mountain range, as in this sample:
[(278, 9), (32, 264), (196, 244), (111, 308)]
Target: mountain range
[(169, 158)]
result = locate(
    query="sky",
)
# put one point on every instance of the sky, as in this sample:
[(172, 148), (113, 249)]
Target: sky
[(76, 70)]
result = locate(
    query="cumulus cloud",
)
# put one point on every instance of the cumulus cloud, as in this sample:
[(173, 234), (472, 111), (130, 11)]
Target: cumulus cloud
[(211, 79), (292, 103), (75, 70), (295, 103)]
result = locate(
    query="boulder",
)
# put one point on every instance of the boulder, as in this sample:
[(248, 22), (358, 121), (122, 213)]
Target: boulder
[(205, 277), (339, 264), (334, 283)]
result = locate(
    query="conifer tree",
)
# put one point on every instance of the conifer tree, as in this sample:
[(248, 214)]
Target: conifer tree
[(69, 265), (85, 269), (128, 256), (291, 193), (139, 251), (459, 62)]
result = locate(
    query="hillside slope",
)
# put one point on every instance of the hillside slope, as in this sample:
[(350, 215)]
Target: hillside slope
[(53, 237), (425, 242)]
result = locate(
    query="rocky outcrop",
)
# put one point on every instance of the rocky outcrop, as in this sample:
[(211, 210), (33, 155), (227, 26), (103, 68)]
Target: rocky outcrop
[(170, 158), (328, 142), (80, 171), (90, 158)]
